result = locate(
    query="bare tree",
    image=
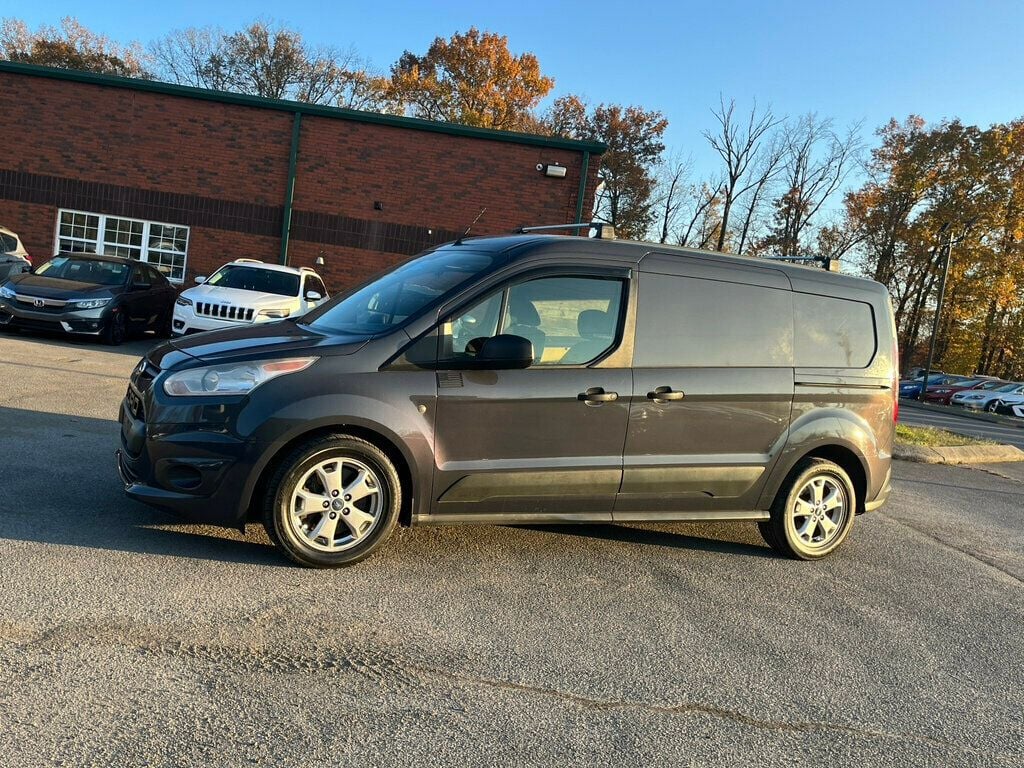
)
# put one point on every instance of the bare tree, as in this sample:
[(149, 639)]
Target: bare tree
[(818, 161), (769, 165), (672, 177), (738, 143), (269, 60), (703, 215)]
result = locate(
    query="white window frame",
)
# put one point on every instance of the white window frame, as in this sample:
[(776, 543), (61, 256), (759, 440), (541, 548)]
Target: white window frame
[(144, 251)]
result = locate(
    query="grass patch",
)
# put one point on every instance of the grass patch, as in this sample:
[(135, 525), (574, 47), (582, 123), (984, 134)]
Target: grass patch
[(930, 437)]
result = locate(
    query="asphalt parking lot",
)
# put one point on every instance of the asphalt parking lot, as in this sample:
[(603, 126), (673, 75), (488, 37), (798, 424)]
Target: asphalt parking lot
[(129, 639)]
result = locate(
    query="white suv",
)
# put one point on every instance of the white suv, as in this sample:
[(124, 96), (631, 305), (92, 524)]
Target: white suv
[(247, 291)]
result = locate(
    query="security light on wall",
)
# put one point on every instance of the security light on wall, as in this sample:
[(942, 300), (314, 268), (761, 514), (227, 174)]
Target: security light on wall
[(555, 171)]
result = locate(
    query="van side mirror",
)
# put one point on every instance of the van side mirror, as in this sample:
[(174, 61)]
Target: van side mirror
[(200, 279), (505, 351), (313, 296)]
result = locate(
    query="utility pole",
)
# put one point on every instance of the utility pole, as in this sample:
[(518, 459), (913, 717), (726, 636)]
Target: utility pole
[(942, 295)]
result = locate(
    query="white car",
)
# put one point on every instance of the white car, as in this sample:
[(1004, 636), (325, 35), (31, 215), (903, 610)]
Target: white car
[(14, 259), (984, 399), (247, 291)]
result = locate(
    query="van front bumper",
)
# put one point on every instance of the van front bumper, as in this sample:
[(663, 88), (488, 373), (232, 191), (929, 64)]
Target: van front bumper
[(195, 473)]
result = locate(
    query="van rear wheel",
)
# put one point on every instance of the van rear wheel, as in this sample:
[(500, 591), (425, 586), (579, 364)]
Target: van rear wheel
[(813, 512), (332, 501)]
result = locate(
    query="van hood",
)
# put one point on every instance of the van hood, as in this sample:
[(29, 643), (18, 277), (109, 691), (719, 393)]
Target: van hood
[(255, 341)]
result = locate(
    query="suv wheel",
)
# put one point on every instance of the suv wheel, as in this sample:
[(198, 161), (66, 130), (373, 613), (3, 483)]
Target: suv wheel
[(813, 512), (332, 502)]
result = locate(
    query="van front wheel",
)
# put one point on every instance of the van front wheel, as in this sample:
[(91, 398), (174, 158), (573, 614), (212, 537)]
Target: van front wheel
[(813, 512), (332, 501)]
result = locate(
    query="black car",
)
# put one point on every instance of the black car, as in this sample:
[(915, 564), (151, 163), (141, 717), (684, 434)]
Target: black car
[(92, 295)]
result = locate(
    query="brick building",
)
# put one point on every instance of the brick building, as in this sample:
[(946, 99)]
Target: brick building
[(189, 178)]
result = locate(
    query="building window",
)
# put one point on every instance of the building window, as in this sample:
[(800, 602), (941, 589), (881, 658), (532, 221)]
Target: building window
[(163, 245)]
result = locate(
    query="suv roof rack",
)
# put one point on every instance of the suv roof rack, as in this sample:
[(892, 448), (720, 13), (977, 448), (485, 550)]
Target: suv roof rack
[(603, 231), (248, 261)]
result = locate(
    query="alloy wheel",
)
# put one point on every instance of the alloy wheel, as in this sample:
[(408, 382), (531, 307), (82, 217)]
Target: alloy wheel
[(820, 511), (336, 504)]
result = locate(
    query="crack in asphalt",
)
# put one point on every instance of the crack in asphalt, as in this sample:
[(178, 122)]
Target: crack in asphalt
[(376, 662)]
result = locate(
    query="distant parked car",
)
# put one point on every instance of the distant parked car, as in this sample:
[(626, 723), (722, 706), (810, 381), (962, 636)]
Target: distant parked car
[(912, 387), (90, 295), (941, 394), (14, 259), (1014, 407), (244, 292), (981, 400), (918, 372)]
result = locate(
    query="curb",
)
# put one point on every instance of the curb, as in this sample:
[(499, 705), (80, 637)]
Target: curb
[(957, 454), (949, 410)]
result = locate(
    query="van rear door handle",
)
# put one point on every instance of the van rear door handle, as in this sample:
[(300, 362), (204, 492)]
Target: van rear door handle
[(665, 395), (596, 396)]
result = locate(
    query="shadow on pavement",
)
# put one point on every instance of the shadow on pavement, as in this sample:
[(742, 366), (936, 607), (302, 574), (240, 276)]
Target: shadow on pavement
[(134, 346), (627, 534), (61, 487)]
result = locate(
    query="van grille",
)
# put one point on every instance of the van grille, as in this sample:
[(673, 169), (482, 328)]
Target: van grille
[(224, 311)]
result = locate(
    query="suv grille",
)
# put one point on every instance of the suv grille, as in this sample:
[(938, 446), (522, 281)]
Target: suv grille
[(224, 311)]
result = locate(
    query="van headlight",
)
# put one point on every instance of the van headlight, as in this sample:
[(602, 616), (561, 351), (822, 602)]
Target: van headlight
[(231, 378)]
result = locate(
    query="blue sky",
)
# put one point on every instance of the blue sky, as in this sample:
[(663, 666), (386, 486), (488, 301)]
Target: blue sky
[(853, 61)]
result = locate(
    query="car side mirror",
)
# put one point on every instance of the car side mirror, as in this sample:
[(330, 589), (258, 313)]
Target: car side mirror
[(313, 296), (200, 279), (505, 351)]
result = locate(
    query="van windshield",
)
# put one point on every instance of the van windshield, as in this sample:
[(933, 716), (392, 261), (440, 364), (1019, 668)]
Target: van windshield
[(391, 299)]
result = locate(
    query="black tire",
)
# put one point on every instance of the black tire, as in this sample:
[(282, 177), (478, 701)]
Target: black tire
[(991, 406), (114, 331), (297, 539), (822, 529), (165, 328)]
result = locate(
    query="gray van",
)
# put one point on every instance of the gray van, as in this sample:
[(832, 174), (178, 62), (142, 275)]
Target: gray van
[(531, 379)]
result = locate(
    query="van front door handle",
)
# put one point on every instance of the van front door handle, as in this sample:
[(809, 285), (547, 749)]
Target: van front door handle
[(596, 396), (663, 395)]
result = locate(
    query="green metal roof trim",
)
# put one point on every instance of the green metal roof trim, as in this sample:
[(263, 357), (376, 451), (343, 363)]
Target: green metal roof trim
[(340, 113)]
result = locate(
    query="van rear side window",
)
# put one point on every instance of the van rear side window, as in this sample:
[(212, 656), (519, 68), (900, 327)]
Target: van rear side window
[(833, 333), (692, 322)]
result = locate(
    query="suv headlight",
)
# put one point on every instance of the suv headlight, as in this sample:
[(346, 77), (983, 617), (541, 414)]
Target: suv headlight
[(181, 301), (231, 378), (89, 303), (6, 291), (279, 312)]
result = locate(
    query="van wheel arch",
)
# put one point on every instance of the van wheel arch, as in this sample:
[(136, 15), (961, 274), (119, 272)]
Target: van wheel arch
[(850, 463), (259, 490)]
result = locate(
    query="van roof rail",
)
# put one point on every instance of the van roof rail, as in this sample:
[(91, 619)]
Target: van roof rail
[(603, 230)]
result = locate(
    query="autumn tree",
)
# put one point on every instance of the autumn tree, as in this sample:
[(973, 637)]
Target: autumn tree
[(70, 46), (269, 60), (471, 78), (633, 135)]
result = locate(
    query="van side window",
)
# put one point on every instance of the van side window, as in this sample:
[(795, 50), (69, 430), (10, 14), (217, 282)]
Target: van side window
[(693, 322), (569, 320), (833, 333)]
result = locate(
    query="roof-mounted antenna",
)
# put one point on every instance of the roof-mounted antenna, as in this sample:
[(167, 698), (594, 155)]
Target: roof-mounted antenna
[(459, 241)]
